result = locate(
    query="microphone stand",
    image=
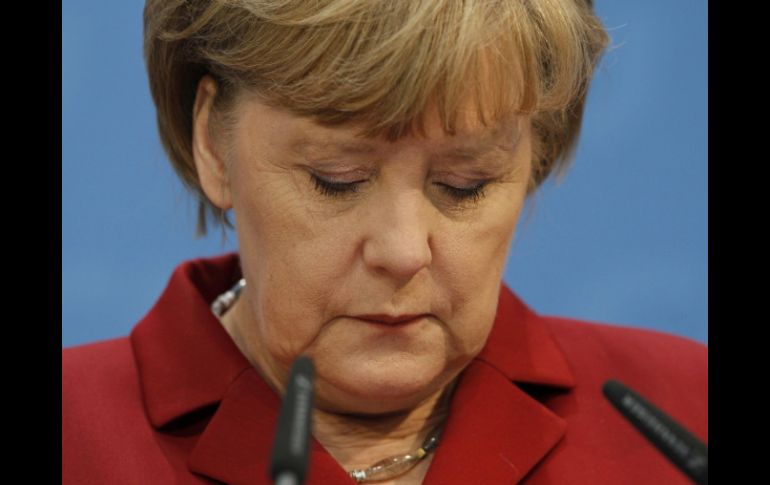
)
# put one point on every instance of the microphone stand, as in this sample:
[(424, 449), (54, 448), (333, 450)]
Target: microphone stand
[(291, 447)]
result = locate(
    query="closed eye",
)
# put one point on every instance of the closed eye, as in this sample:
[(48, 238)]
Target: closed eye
[(340, 189), (334, 189), (472, 194)]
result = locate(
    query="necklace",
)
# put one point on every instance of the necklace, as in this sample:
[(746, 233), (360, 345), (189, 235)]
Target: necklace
[(226, 299), (396, 465), (384, 469)]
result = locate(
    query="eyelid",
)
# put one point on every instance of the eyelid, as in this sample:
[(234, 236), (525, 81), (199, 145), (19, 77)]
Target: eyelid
[(342, 177), (476, 184), (332, 188), (465, 188), (332, 178), (466, 194), (455, 186)]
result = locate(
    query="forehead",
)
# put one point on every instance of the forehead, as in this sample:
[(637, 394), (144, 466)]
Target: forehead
[(471, 139)]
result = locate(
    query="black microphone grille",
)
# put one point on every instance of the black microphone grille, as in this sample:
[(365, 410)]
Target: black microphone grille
[(682, 448)]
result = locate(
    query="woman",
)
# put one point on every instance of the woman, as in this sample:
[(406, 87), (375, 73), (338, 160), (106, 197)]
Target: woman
[(376, 157)]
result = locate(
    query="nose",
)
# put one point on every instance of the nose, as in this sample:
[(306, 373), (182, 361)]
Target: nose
[(398, 238)]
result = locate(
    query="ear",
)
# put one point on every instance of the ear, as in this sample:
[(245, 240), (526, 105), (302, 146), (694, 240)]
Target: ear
[(210, 165)]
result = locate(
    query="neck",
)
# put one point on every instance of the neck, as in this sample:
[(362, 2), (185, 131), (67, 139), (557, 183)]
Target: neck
[(359, 441)]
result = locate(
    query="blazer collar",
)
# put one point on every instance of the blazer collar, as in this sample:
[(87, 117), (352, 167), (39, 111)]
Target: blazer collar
[(185, 358), (521, 347), (187, 361)]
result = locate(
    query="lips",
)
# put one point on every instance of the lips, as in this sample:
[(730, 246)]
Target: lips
[(391, 319)]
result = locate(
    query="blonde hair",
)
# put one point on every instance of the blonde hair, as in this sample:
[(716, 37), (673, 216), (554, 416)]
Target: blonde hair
[(377, 63)]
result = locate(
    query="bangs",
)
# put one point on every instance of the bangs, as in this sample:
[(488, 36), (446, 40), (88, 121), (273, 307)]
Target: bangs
[(381, 64)]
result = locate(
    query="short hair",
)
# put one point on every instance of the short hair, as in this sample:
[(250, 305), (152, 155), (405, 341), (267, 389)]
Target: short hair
[(376, 63)]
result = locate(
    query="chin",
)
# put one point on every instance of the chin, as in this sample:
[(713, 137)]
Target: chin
[(377, 387)]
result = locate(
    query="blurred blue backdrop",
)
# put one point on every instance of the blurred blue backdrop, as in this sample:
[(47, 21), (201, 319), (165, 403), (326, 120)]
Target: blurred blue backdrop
[(622, 240)]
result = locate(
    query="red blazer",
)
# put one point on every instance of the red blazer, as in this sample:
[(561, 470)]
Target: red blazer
[(176, 402)]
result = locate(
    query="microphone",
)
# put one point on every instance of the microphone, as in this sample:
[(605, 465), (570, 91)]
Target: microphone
[(683, 449), (291, 446)]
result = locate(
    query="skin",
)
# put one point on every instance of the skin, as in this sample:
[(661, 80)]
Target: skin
[(400, 244)]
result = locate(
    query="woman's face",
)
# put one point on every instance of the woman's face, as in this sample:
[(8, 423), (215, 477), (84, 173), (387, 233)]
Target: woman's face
[(335, 230)]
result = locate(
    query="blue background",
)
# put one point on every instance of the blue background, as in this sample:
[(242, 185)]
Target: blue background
[(622, 240)]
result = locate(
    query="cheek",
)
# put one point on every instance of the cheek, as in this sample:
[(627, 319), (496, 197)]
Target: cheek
[(472, 261), (291, 297), (293, 268)]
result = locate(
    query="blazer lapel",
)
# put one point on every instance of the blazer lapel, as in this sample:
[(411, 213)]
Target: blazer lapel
[(495, 432), (236, 445)]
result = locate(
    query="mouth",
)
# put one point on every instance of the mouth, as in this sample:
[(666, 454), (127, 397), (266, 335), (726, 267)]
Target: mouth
[(392, 320)]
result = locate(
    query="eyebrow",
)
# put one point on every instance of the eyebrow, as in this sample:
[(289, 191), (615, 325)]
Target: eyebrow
[(302, 145), (466, 151)]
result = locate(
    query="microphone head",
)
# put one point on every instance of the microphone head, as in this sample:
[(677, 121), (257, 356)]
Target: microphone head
[(682, 448), (291, 446)]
